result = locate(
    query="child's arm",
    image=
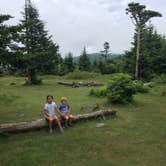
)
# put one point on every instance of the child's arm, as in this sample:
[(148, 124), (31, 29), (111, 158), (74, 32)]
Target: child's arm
[(57, 109), (69, 110), (45, 112)]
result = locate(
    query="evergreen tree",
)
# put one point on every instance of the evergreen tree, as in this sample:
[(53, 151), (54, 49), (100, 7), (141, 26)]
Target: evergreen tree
[(37, 53), (69, 63), (104, 63), (105, 53), (107, 67), (95, 66), (153, 56), (84, 61), (151, 44), (160, 61), (139, 16), (7, 34)]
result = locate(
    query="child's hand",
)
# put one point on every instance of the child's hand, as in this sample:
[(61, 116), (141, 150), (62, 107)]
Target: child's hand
[(62, 114)]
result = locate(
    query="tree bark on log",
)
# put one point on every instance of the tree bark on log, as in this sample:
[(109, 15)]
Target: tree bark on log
[(79, 84), (42, 123)]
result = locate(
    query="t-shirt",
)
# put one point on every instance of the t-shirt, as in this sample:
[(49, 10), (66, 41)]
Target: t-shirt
[(64, 108), (50, 108)]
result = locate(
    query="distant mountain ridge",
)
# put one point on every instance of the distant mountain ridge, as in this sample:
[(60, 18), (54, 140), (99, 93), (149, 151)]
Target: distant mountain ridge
[(97, 56)]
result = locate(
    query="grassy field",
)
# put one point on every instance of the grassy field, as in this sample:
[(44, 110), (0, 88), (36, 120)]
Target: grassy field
[(136, 137)]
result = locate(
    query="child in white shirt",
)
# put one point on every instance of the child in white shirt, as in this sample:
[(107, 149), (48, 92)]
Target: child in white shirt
[(49, 112)]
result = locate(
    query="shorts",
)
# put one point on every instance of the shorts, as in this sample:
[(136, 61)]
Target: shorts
[(66, 115), (51, 118)]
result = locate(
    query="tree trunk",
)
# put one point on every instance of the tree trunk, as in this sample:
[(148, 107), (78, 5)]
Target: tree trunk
[(80, 84), (137, 52), (32, 77), (41, 123)]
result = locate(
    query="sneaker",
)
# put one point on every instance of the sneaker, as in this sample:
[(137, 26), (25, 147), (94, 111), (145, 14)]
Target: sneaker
[(70, 125), (50, 131), (61, 130), (66, 125)]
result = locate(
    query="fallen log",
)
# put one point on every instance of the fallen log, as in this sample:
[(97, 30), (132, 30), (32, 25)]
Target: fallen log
[(42, 123), (80, 84)]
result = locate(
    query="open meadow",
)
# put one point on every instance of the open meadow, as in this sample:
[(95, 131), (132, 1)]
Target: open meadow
[(135, 137), (106, 60)]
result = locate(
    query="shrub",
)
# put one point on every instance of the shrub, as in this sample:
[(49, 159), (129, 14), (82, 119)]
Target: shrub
[(159, 90), (101, 92), (141, 87), (121, 88), (149, 85), (81, 75), (161, 79), (163, 92), (3, 72)]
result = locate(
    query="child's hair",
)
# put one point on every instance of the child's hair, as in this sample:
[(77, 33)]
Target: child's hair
[(49, 96), (63, 99)]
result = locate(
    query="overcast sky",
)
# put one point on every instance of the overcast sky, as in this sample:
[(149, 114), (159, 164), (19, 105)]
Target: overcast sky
[(78, 23)]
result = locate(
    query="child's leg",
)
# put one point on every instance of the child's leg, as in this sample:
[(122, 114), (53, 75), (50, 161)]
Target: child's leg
[(59, 123), (70, 119), (66, 118), (50, 120), (50, 124)]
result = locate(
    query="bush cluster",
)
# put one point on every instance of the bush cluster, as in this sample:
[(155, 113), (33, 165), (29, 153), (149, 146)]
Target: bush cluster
[(101, 92), (120, 89), (161, 79)]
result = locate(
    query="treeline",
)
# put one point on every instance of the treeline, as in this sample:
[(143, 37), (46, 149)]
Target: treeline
[(27, 49), (152, 54)]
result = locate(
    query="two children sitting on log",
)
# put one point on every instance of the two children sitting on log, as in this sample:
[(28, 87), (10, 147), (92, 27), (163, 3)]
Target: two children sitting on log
[(64, 110)]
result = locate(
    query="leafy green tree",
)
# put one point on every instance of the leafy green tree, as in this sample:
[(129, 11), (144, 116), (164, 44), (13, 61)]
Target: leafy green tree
[(139, 16), (37, 52), (84, 61)]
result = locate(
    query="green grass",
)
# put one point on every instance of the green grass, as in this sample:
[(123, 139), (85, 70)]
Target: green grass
[(136, 137)]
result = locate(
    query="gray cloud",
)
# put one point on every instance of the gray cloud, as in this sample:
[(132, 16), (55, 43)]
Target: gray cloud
[(78, 23)]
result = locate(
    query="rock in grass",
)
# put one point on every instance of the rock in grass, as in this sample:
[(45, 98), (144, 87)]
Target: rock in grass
[(21, 115), (12, 83), (100, 125)]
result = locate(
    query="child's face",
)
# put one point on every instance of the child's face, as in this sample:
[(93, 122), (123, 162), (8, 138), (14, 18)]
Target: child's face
[(64, 102), (49, 99)]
